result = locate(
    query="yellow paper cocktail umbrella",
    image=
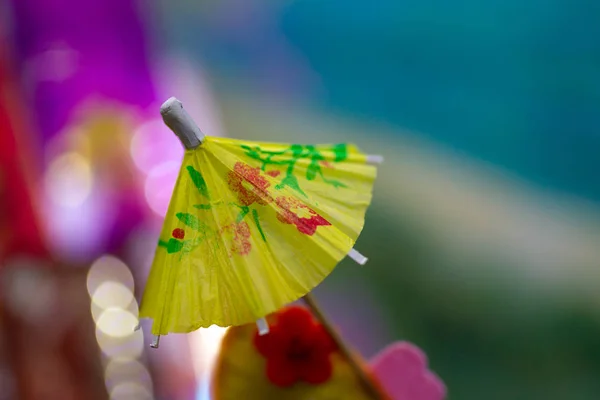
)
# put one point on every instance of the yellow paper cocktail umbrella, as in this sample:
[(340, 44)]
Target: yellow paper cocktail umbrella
[(251, 227)]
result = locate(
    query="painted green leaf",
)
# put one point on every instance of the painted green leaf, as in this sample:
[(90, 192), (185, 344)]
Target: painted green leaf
[(244, 210), (172, 246), (340, 151), (189, 245), (297, 150), (257, 222), (311, 172), (199, 181), (252, 151), (335, 183), (192, 221), (291, 181)]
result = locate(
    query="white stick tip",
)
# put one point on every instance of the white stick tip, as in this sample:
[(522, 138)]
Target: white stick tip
[(170, 104), (357, 257), (179, 121), (374, 159), (263, 326), (155, 342)]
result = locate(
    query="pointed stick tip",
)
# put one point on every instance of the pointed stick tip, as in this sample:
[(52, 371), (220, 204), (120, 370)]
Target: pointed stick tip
[(263, 326), (179, 121), (155, 342), (357, 257), (169, 104), (374, 159)]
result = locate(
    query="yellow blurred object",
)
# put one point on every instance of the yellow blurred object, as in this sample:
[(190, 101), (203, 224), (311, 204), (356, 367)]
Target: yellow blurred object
[(99, 135), (241, 373), (252, 227)]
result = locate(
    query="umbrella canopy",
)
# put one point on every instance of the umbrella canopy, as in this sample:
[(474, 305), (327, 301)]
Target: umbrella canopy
[(252, 227)]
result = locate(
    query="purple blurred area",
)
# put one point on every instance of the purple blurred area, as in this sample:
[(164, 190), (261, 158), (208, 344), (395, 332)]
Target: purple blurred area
[(70, 52), (89, 72)]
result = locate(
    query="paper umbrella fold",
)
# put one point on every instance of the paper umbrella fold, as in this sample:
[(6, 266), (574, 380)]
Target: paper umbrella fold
[(251, 227)]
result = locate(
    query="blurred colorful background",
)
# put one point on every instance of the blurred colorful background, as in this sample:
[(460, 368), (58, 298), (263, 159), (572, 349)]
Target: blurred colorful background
[(484, 236)]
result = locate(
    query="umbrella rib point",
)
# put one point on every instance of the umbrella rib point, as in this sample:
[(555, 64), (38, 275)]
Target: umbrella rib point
[(357, 257), (263, 326), (155, 342), (374, 159)]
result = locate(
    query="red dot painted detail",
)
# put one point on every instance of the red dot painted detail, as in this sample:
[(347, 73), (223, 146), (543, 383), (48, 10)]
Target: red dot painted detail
[(178, 233)]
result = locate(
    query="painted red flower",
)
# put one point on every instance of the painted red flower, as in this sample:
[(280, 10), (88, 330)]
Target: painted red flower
[(293, 211), (249, 184), (241, 238), (178, 233), (297, 348), (274, 173)]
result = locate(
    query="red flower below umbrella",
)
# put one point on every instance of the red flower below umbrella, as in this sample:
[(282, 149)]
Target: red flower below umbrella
[(249, 184), (297, 348), (293, 211)]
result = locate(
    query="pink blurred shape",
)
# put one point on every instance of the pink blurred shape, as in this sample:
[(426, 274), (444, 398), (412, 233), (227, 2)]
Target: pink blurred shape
[(403, 371)]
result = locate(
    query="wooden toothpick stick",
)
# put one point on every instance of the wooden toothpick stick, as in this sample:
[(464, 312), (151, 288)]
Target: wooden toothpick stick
[(354, 362)]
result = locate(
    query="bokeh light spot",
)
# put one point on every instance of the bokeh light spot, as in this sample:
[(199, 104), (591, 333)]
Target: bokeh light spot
[(159, 186), (112, 294), (121, 348), (69, 180), (130, 390), (205, 344), (117, 322), (122, 370), (154, 144), (108, 268)]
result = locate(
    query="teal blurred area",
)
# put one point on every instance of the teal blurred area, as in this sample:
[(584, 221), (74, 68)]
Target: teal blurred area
[(495, 280), (508, 82), (483, 237)]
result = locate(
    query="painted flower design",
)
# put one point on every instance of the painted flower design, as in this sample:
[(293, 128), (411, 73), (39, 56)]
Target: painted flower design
[(175, 243), (297, 348), (240, 233), (293, 211), (250, 186), (178, 233)]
